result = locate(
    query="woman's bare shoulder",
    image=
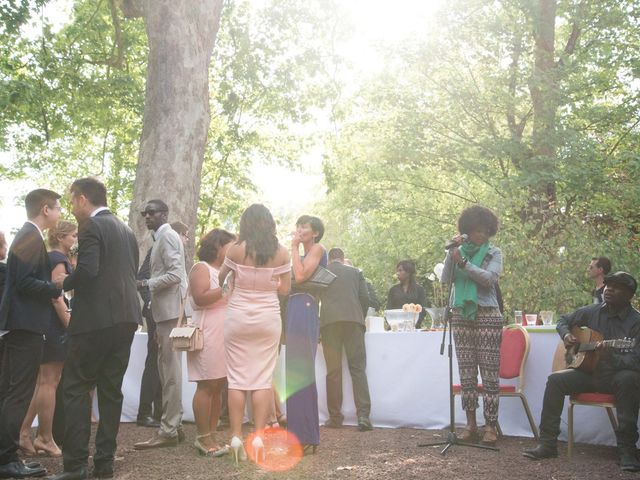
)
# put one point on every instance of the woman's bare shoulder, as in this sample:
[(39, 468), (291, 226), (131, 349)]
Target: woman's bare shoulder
[(282, 255), (236, 252)]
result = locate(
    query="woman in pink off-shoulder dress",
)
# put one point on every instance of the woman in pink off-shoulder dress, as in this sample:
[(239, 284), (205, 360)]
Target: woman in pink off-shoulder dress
[(252, 328), (207, 367)]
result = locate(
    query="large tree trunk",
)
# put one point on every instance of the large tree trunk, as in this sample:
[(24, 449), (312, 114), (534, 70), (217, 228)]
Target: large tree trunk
[(544, 95), (176, 113)]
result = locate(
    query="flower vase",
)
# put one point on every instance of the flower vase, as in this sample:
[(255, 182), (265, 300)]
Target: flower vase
[(437, 317)]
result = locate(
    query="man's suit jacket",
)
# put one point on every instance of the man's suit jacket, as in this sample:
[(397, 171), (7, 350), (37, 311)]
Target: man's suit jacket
[(26, 300), (3, 277), (104, 281), (143, 274), (346, 299), (168, 280)]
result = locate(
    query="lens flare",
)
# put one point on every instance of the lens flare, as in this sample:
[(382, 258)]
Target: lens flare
[(282, 450)]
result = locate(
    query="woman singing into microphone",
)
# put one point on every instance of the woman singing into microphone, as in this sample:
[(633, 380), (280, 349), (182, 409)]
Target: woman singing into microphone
[(476, 319)]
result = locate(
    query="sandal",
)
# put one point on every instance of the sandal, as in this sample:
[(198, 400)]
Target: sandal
[(209, 452), (490, 436), (282, 420), (469, 434), (50, 450)]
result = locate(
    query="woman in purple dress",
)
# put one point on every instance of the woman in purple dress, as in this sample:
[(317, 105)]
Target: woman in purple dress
[(302, 336)]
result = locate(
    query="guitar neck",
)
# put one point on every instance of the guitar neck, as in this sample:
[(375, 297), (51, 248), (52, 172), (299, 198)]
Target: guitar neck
[(587, 347)]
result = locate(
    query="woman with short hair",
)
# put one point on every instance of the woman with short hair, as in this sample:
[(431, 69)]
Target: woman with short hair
[(303, 333), (207, 367), (476, 319)]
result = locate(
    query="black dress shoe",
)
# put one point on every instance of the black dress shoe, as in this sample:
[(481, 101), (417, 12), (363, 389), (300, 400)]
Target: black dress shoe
[(364, 425), (18, 469), (148, 422), (103, 471), (79, 474), (541, 452), (629, 460), (333, 423)]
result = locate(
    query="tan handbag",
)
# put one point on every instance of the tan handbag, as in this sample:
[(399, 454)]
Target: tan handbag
[(185, 337)]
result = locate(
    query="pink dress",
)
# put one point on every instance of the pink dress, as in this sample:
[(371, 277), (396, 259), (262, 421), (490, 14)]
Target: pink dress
[(252, 327), (209, 363)]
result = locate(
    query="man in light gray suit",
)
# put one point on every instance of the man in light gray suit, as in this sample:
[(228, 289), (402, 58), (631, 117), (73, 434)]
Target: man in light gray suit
[(168, 286)]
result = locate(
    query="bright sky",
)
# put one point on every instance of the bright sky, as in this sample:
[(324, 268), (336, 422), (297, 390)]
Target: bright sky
[(374, 23)]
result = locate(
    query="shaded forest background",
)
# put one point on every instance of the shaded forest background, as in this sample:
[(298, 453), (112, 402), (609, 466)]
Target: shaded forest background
[(530, 107)]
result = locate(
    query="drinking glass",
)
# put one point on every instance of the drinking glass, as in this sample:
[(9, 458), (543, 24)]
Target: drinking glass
[(531, 318), (517, 315), (547, 317)]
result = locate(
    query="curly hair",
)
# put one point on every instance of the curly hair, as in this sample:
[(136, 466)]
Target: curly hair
[(258, 231), (475, 217), (57, 233), (211, 243), (315, 223)]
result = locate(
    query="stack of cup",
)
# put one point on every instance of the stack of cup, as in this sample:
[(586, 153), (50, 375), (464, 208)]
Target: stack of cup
[(519, 318)]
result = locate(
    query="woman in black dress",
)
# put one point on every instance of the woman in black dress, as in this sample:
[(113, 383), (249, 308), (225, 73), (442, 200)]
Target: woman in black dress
[(60, 239), (408, 290)]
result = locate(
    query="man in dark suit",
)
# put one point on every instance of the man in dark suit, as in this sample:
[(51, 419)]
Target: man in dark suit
[(150, 404), (342, 312), (105, 316), (25, 312)]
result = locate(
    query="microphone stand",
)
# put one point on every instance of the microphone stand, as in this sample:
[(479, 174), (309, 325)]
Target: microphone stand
[(452, 437)]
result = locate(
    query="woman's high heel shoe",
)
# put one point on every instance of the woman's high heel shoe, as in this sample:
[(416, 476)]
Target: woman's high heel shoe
[(309, 449), (52, 450), (238, 449), (258, 447), (282, 420)]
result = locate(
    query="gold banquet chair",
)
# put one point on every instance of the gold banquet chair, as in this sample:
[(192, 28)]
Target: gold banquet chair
[(590, 399), (514, 351), (587, 399)]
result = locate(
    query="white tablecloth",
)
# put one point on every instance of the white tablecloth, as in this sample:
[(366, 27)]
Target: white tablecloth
[(408, 381)]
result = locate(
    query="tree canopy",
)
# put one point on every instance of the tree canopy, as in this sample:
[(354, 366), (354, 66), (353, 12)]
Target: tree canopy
[(530, 107)]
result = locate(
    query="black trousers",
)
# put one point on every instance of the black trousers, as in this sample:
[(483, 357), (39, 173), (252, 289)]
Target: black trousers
[(20, 364), (624, 384), (150, 387), (350, 336), (95, 359)]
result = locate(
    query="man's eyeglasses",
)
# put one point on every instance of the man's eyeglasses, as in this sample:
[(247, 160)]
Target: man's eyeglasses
[(150, 212)]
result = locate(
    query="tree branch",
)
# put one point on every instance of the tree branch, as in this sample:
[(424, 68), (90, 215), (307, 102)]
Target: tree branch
[(615, 146)]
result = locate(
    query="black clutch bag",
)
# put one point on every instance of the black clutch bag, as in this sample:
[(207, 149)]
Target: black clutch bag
[(316, 284)]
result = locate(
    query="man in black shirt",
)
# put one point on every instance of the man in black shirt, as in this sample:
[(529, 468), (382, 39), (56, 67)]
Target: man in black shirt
[(597, 269), (617, 372)]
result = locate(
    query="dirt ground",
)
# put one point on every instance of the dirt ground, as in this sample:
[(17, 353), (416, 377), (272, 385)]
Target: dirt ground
[(349, 454)]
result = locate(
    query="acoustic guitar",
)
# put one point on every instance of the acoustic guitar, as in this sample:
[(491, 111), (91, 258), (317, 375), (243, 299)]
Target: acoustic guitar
[(583, 355)]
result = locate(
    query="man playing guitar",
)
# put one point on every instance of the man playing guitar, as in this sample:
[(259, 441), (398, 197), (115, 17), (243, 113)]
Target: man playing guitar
[(617, 371)]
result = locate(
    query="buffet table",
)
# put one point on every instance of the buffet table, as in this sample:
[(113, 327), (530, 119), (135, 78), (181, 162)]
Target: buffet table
[(408, 381)]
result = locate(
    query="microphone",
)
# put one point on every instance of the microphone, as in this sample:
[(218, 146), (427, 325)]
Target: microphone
[(452, 243)]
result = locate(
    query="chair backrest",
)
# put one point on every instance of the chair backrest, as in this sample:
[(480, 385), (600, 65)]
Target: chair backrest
[(514, 351)]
